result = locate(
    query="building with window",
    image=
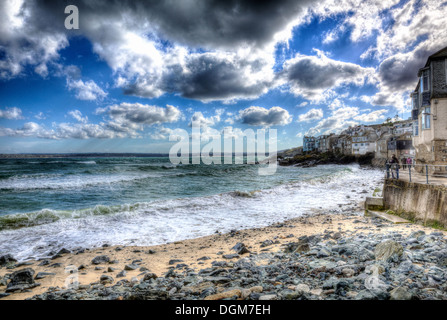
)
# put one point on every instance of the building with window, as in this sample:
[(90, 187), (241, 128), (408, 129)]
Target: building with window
[(308, 144), (429, 114), (364, 142), (322, 143)]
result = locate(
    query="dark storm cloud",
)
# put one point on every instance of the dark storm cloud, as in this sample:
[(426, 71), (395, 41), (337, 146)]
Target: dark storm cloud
[(139, 39), (309, 76), (190, 22), (399, 72)]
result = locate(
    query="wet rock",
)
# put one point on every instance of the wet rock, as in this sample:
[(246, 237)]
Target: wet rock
[(6, 260), (121, 274), (105, 279), (388, 250), (240, 248), (100, 260), (22, 280), (131, 267), (42, 275)]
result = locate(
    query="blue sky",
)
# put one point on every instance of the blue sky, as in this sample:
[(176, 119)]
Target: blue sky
[(136, 71)]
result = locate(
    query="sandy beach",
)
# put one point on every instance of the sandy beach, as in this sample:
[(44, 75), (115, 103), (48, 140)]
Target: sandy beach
[(198, 253)]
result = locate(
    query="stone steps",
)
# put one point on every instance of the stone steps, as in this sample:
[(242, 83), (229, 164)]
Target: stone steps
[(385, 216)]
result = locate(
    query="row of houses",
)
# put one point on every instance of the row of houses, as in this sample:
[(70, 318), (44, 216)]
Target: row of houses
[(423, 137), (384, 140)]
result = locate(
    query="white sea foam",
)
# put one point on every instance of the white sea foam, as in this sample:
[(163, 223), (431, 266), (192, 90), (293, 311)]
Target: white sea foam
[(58, 181)]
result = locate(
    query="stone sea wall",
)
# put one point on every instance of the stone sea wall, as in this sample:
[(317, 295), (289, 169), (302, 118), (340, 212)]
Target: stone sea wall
[(416, 201)]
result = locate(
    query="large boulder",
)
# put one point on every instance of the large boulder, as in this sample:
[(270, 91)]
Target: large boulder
[(388, 251), (22, 280)]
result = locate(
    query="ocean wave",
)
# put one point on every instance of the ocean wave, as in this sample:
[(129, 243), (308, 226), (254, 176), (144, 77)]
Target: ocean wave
[(46, 216), (87, 162), (57, 181)]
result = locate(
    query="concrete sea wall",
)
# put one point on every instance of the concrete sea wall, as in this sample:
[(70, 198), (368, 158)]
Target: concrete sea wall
[(416, 201)]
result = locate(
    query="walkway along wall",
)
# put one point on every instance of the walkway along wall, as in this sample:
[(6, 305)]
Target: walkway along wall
[(416, 201)]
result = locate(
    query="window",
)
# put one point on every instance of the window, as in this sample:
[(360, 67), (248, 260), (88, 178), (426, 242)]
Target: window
[(416, 128), (425, 81), (415, 101), (426, 118)]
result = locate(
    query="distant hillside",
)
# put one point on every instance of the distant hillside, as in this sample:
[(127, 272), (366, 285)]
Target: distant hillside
[(290, 152)]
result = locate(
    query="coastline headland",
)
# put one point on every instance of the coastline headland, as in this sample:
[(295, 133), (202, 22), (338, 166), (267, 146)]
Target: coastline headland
[(314, 159)]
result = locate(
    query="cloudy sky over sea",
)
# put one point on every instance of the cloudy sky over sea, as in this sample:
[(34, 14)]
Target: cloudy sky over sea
[(137, 70)]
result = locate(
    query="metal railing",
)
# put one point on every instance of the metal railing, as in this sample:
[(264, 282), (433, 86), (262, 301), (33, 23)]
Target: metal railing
[(426, 173)]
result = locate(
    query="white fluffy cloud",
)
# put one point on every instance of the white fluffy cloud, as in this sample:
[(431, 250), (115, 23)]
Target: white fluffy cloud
[(124, 120), (339, 120), (11, 113), (86, 90), (372, 116), (76, 114), (311, 115)]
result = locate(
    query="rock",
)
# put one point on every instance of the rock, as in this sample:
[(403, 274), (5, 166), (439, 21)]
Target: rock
[(231, 256), (6, 259), (348, 273), (400, 293), (44, 263), (245, 293), (323, 253), (100, 260), (256, 289), (130, 267), (204, 258), (240, 248), (2, 295), (316, 292), (268, 297), (121, 274), (174, 261), (105, 279), (63, 251), (22, 280), (224, 295), (302, 288), (266, 243), (372, 295), (149, 276), (388, 251)]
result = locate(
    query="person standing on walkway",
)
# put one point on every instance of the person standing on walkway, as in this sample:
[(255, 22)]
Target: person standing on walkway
[(409, 162), (394, 166)]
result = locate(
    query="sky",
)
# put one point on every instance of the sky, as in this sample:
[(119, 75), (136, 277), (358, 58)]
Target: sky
[(137, 71)]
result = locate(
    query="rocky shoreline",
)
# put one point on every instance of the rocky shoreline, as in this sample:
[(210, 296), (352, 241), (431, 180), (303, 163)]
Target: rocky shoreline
[(314, 159), (320, 257)]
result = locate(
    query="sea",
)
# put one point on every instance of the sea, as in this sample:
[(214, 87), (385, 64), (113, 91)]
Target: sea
[(51, 203)]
